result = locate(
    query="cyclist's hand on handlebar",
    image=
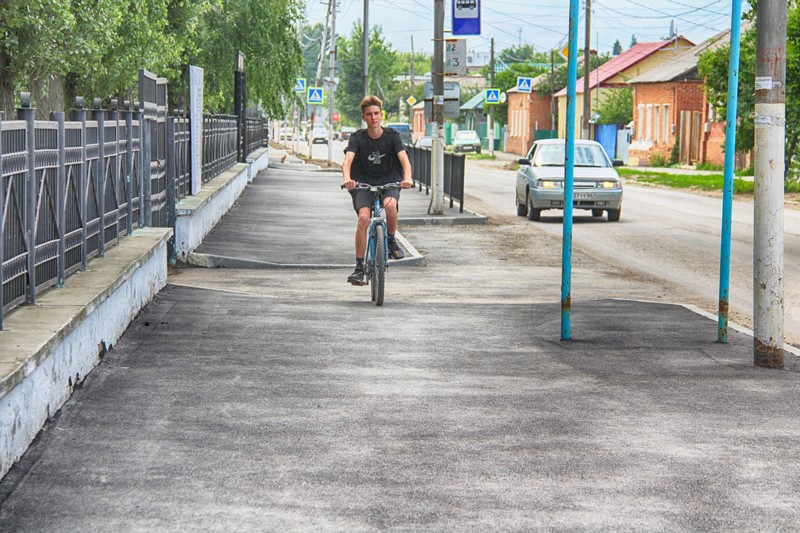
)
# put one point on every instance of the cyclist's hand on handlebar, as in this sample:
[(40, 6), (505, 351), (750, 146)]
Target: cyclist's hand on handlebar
[(407, 184), (349, 184)]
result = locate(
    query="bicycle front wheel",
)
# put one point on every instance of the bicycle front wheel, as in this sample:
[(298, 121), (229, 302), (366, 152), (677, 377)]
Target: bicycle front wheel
[(377, 277)]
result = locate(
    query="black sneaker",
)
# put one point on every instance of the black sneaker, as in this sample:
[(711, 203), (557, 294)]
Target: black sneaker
[(395, 252), (357, 277)]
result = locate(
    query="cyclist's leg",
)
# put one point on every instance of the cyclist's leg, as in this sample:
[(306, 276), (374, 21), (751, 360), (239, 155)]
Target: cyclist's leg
[(364, 215), (390, 207)]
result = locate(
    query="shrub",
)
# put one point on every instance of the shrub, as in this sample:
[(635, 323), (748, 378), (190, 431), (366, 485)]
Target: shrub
[(658, 160)]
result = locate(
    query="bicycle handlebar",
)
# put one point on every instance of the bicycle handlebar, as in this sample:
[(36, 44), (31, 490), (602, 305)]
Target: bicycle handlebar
[(368, 187)]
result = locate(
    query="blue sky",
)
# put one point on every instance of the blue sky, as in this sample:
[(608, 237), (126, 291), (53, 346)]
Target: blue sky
[(541, 23)]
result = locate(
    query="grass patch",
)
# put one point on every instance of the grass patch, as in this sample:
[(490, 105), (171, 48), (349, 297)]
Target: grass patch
[(710, 182), (482, 156)]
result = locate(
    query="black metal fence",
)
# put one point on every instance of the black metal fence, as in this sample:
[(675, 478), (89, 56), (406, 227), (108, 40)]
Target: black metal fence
[(453, 173), (70, 189)]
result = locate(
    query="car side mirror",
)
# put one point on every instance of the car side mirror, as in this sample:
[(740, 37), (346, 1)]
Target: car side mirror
[(524, 162), (618, 163)]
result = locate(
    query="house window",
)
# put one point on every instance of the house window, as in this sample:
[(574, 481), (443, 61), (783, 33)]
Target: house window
[(648, 134), (640, 128), (657, 129), (667, 122)]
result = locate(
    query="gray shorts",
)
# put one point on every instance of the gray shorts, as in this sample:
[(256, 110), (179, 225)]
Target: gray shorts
[(363, 198)]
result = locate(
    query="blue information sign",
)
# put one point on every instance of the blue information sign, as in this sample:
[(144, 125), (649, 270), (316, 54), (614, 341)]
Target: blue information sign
[(492, 96), (466, 17), (314, 95), (524, 84), (300, 85)]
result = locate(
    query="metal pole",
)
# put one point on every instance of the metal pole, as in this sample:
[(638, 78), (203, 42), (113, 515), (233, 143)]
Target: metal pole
[(727, 194), (61, 192), (438, 110), (770, 129), (171, 196), (331, 83), (2, 217), (27, 113), (100, 189), (491, 108), (365, 51), (587, 68), (569, 173)]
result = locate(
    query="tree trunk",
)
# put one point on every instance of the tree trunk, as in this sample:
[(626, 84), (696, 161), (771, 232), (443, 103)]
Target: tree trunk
[(6, 88)]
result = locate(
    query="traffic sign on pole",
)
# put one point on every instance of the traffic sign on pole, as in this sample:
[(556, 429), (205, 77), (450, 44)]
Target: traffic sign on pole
[(492, 96), (524, 85), (466, 17), (300, 85), (314, 95)]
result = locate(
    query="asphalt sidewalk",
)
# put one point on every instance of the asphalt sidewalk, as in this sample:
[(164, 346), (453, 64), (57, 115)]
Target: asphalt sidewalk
[(264, 401)]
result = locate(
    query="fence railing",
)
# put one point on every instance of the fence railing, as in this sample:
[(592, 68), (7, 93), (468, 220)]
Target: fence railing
[(256, 134), (70, 189), (453, 173)]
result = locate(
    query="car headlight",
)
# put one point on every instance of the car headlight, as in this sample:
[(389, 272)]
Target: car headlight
[(608, 185), (547, 184)]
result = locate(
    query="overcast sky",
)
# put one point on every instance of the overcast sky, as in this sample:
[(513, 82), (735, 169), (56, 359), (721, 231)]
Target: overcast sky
[(541, 23)]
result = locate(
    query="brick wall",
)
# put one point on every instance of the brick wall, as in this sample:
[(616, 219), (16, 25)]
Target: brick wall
[(660, 105), (535, 108)]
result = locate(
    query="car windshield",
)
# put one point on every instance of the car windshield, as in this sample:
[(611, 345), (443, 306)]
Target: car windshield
[(552, 155), (466, 135)]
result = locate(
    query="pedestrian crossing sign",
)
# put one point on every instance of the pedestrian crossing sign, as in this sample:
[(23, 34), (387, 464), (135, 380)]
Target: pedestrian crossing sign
[(314, 95), (524, 84), (492, 96), (300, 85)]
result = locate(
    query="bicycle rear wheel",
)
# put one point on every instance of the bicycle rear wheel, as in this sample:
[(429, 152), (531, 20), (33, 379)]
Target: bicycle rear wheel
[(378, 275)]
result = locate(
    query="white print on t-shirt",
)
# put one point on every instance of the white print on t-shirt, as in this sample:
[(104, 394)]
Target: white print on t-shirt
[(375, 157)]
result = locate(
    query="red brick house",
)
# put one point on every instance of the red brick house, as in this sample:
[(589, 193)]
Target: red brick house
[(527, 112), (670, 106)]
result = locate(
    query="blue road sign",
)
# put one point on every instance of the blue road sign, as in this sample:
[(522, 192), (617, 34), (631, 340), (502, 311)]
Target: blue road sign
[(492, 96), (314, 95), (524, 84), (300, 85), (466, 17)]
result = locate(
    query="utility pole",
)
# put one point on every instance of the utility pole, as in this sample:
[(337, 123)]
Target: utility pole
[(587, 64), (365, 40), (413, 84), (437, 148), (552, 91), (331, 81), (769, 165), (491, 108), (322, 46)]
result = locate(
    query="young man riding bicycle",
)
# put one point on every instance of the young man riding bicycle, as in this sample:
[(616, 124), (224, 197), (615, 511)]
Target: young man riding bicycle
[(375, 156)]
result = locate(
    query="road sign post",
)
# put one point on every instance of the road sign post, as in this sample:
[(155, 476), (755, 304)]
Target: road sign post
[(524, 85)]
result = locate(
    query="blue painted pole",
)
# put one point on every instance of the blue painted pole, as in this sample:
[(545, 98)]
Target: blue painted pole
[(727, 193), (569, 174)]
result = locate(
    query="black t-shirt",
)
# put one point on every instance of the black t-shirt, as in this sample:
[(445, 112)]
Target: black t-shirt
[(376, 161)]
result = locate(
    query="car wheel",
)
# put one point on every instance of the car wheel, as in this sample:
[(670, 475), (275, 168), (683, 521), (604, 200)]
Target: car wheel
[(597, 212), (478, 151), (533, 214), (614, 214), (522, 209)]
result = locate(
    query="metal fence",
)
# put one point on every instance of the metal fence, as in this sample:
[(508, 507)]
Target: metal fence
[(453, 173), (70, 189), (256, 134)]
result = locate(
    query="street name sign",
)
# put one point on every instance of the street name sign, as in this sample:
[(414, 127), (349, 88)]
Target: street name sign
[(466, 17), (524, 85), (314, 95)]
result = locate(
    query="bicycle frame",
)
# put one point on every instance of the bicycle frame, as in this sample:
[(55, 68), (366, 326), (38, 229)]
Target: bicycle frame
[(376, 219)]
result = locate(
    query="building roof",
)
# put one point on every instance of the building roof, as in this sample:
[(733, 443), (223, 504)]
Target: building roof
[(622, 62), (684, 66), (476, 102)]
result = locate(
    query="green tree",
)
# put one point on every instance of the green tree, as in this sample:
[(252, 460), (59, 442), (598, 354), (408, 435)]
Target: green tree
[(311, 41), (617, 50), (634, 42), (517, 54), (617, 107), (382, 61)]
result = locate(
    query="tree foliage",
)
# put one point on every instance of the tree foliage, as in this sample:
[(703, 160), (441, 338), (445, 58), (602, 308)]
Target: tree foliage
[(57, 49), (617, 50), (617, 107)]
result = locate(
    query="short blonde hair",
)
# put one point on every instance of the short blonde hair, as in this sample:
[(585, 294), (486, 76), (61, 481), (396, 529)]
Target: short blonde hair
[(370, 101)]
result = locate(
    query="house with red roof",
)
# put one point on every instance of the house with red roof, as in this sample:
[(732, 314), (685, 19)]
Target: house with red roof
[(529, 117), (614, 74)]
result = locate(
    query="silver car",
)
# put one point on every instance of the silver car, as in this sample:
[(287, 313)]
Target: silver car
[(540, 180)]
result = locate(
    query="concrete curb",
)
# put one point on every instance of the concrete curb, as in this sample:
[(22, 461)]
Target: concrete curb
[(412, 258)]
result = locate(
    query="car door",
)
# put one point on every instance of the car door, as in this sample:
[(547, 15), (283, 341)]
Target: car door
[(524, 175)]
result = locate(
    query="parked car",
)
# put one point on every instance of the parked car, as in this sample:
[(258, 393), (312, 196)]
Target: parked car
[(424, 142), (403, 129), (467, 141), (286, 134), (319, 134), (347, 131), (540, 180)]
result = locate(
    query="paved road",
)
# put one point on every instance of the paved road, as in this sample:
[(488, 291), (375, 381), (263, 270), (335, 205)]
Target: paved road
[(282, 399), (671, 236)]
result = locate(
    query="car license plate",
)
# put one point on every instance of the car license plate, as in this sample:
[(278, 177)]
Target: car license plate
[(584, 196)]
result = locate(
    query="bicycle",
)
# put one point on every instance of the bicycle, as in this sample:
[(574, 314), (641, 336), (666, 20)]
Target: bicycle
[(377, 254)]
